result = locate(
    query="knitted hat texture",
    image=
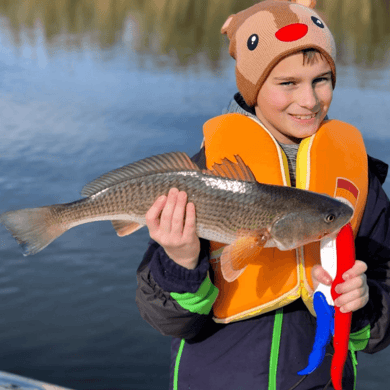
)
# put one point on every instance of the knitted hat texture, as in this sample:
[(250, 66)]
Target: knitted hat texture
[(262, 35)]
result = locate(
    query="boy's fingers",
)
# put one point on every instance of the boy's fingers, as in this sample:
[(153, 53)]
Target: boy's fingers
[(167, 213), (153, 214), (354, 291), (178, 214), (352, 301), (352, 284), (190, 222), (350, 296), (321, 276), (353, 306), (355, 278), (360, 267)]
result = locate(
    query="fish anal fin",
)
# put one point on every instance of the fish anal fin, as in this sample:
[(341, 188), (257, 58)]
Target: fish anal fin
[(232, 170), (125, 228), (236, 256)]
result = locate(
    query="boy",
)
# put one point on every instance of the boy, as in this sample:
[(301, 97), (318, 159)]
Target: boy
[(227, 338)]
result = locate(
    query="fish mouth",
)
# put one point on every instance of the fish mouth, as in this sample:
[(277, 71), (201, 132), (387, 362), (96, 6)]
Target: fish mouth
[(323, 235)]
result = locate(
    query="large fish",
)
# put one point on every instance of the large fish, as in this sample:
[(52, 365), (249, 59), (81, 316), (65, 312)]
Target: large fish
[(231, 207)]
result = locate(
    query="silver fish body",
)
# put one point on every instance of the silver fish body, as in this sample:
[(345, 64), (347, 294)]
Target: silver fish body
[(226, 207)]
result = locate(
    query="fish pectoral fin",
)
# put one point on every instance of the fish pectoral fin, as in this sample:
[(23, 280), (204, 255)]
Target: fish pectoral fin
[(229, 273), (236, 257), (125, 228)]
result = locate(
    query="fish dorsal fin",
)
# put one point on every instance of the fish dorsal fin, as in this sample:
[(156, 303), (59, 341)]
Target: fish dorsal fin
[(168, 162), (237, 171)]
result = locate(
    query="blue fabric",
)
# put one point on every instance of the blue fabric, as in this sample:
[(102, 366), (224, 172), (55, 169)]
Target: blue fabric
[(325, 326), (171, 276)]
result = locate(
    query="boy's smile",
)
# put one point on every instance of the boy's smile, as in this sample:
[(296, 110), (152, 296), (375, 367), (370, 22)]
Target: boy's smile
[(295, 98)]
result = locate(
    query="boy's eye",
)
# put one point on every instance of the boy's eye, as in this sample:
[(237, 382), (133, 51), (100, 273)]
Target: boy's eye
[(321, 79), (287, 83)]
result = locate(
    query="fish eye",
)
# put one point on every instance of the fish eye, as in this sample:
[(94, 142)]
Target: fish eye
[(317, 22), (253, 41), (330, 218)]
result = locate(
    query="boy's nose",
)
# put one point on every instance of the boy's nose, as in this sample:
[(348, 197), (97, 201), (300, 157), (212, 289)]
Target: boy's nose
[(292, 32), (307, 98)]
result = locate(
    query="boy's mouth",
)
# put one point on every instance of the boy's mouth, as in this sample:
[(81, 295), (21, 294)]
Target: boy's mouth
[(311, 116)]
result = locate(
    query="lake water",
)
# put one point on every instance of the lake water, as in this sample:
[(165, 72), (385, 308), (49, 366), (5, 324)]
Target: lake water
[(67, 314)]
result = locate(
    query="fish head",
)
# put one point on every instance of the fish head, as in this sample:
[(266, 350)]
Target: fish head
[(312, 222)]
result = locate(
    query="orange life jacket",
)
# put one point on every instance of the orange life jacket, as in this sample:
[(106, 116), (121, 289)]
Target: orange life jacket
[(333, 161)]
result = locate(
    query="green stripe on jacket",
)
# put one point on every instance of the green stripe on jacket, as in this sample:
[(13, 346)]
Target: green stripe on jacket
[(357, 342), (200, 302)]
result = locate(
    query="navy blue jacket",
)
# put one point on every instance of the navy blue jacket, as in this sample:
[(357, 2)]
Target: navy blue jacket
[(267, 351)]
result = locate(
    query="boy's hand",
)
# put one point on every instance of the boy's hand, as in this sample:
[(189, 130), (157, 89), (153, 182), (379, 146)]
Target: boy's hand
[(172, 223), (354, 291)]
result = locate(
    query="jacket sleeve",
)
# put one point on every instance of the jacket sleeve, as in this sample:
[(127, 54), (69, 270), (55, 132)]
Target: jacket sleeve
[(180, 303), (373, 247), (174, 300)]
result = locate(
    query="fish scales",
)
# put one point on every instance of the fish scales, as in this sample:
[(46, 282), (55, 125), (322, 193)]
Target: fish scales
[(222, 205), (217, 201)]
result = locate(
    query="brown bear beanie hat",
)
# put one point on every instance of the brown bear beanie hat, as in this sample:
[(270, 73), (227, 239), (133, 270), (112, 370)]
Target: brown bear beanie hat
[(262, 35)]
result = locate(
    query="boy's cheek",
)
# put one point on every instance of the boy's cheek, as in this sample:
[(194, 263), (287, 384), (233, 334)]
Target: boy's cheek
[(277, 99), (272, 98)]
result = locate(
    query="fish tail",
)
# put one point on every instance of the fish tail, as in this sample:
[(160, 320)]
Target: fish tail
[(34, 229)]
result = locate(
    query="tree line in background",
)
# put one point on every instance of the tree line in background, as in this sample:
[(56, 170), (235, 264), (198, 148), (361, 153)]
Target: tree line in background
[(186, 28)]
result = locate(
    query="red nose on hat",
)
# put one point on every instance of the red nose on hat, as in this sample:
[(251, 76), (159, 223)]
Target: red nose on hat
[(292, 32)]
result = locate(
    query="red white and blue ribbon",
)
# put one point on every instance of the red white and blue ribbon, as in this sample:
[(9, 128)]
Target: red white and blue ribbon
[(337, 256)]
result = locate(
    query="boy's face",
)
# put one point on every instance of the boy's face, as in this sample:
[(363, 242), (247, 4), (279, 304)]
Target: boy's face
[(295, 98)]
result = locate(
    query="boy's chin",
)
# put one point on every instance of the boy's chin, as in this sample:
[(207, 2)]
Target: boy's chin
[(298, 136), (300, 130)]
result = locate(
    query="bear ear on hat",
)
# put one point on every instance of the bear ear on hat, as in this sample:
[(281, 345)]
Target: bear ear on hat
[(224, 29), (306, 3)]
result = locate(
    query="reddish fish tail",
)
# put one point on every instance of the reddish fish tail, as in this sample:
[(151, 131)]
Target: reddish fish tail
[(34, 229)]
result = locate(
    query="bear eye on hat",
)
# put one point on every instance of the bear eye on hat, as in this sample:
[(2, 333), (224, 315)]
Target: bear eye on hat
[(262, 35), (253, 41)]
